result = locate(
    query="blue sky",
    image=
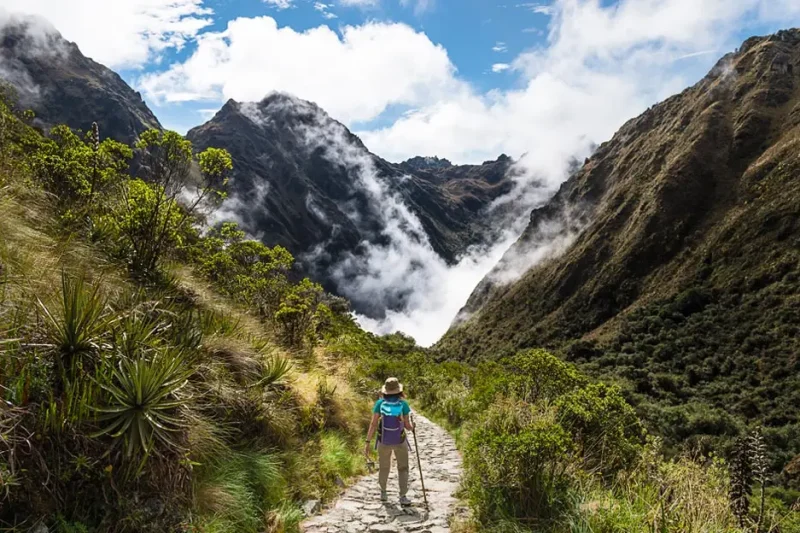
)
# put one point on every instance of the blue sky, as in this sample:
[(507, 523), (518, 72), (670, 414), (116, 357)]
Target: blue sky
[(462, 79)]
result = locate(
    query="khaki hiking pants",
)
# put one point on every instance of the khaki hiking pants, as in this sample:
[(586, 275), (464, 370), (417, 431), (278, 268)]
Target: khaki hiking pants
[(385, 464)]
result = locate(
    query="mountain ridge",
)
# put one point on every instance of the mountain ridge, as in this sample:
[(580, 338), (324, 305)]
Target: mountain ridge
[(682, 281), (327, 193)]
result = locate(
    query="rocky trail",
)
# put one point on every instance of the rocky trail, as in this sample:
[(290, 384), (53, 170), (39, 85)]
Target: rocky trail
[(359, 509)]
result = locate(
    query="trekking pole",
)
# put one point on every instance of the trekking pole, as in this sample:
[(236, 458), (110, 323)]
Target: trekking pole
[(419, 463)]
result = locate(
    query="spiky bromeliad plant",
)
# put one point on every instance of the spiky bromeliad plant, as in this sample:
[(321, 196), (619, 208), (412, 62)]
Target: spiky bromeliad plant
[(76, 329), (142, 403)]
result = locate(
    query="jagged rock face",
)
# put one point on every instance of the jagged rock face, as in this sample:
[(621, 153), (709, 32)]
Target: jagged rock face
[(701, 188), (303, 181), (425, 163), (62, 86)]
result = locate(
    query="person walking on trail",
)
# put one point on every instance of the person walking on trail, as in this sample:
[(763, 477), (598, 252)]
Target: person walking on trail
[(391, 419)]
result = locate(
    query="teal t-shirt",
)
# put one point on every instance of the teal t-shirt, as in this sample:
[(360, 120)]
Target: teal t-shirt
[(406, 409)]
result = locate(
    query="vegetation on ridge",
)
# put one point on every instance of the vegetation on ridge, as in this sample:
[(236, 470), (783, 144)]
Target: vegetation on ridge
[(547, 449), (683, 285), (153, 378)]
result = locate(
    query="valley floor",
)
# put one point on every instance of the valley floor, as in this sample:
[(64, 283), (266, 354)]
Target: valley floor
[(360, 510)]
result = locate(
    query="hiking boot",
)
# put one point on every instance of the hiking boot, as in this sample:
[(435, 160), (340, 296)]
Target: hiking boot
[(404, 501), (384, 496)]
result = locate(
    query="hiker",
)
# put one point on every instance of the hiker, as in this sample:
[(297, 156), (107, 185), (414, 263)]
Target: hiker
[(391, 419)]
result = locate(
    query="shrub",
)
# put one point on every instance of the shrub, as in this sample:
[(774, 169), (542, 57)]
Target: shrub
[(296, 312), (74, 171), (150, 219), (536, 375), (604, 427), (517, 461)]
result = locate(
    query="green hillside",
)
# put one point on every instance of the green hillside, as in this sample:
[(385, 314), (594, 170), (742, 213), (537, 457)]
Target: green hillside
[(682, 282), (154, 379)]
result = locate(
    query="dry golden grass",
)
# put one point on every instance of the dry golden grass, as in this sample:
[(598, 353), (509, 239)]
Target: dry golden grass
[(237, 355)]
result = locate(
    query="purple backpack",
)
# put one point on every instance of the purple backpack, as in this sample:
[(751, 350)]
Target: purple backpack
[(392, 430)]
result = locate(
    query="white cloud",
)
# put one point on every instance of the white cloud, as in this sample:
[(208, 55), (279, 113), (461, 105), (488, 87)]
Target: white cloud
[(355, 76), (499, 46), (542, 9), (500, 67), (279, 4), (121, 33), (323, 9)]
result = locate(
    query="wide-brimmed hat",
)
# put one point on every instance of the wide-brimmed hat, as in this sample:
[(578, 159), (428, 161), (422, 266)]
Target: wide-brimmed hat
[(392, 386)]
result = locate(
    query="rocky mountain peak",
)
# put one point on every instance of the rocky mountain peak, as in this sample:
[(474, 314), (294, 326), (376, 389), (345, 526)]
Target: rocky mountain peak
[(61, 85)]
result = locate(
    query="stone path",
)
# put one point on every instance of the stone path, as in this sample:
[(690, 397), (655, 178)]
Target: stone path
[(359, 509)]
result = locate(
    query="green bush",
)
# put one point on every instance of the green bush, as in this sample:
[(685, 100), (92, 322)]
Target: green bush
[(517, 462), (536, 375), (604, 427)]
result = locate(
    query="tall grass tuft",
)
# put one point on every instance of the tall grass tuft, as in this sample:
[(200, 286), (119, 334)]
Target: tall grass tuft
[(276, 371), (77, 327), (239, 491), (336, 457)]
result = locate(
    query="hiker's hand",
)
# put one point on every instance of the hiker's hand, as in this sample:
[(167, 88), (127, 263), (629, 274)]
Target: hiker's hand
[(366, 450)]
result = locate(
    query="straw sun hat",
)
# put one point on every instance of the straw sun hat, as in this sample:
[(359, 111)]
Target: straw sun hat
[(392, 386)]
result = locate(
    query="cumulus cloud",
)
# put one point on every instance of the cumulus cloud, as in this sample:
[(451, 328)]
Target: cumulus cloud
[(355, 75), (121, 33), (499, 46), (601, 64)]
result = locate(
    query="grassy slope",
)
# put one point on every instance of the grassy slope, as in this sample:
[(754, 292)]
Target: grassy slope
[(252, 462)]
